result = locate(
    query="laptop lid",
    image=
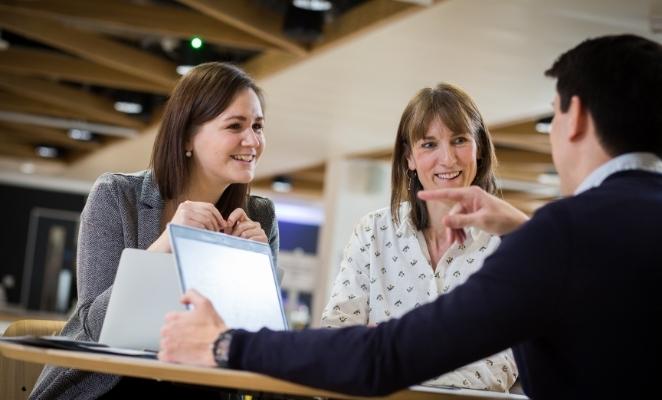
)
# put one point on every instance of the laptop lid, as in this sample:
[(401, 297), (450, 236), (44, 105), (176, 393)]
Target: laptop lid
[(237, 275), (146, 287)]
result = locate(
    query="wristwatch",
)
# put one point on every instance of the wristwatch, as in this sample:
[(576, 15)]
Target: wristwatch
[(221, 348)]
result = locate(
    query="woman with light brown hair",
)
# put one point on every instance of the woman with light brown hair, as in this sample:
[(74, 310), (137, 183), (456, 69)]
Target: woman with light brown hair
[(404, 256), (203, 161)]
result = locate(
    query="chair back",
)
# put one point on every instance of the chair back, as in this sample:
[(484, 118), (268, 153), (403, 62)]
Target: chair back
[(17, 378)]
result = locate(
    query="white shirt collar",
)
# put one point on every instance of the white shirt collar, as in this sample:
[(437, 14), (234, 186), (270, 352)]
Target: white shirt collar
[(625, 162)]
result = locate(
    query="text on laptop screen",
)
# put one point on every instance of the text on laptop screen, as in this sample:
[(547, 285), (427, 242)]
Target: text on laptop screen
[(240, 283)]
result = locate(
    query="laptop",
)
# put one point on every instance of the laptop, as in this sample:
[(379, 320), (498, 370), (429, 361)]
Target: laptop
[(237, 275), (146, 288)]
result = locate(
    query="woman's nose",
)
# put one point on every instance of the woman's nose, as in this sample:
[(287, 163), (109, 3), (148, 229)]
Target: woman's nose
[(251, 138), (447, 155)]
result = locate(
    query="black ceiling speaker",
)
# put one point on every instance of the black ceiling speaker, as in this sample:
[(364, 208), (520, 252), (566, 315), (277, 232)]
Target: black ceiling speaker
[(304, 21)]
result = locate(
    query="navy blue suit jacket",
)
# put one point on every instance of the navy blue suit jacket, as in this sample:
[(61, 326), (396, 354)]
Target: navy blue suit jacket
[(575, 291)]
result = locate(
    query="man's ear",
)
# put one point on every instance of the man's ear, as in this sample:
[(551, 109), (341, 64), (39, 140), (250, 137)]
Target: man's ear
[(578, 119)]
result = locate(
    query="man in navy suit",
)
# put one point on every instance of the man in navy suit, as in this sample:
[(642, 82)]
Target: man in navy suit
[(574, 291)]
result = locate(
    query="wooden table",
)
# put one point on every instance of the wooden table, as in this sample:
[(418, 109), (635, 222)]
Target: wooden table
[(227, 378)]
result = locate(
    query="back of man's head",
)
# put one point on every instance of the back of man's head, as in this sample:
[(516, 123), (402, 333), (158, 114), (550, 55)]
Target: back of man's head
[(619, 80)]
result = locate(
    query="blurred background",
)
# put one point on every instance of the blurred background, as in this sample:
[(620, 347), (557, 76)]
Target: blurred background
[(83, 84)]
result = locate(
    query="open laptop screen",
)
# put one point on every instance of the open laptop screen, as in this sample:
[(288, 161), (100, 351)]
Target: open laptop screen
[(237, 275)]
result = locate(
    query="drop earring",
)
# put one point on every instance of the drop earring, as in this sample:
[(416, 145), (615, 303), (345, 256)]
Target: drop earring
[(412, 176), (189, 153)]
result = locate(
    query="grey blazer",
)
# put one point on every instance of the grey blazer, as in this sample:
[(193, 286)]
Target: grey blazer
[(122, 210)]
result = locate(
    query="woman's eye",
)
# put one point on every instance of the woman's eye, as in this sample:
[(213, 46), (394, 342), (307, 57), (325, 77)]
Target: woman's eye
[(427, 145), (258, 127), (460, 140), (235, 126)]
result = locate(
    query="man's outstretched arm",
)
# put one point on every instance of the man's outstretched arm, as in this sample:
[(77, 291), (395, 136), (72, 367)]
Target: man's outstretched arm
[(475, 207)]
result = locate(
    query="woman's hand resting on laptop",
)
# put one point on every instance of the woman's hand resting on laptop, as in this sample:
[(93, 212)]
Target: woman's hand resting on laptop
[(187, 337)]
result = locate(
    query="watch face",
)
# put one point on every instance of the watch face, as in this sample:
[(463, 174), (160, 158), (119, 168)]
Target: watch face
[(222, 348)]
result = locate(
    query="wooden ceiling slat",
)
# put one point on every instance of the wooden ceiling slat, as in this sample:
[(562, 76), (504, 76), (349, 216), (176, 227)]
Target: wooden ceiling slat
[(73, 26), (358, 20), (531, 142), (119, 16), (367, 16), (11, 148), (315, 175), (527, 206), (94, 107), (33, 134), (524, 126), (89, 46), (522, 165), (242, 15), (523, 195), (269, 62), (24, 61), (523, 174), (14, 103), (508, 155), (521, 135)]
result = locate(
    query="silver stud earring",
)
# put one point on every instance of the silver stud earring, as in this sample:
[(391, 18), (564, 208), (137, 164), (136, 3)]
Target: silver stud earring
[(189, 153)]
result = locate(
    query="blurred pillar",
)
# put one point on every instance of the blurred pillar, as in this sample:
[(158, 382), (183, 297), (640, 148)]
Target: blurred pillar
[(352, 188)]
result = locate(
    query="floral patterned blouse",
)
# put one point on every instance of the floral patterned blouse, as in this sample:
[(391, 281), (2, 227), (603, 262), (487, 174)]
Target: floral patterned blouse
[(386, 271)]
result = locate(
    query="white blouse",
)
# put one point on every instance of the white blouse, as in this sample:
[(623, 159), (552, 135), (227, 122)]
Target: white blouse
[(386, 271)]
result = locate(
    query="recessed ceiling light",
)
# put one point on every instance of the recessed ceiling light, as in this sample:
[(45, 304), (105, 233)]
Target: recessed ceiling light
[(281, 184), (313, 5), (184, 69), (47, 151), (544, 125), (128, 107), (80, 134)]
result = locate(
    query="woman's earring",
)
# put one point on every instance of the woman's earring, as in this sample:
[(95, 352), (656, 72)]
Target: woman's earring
[(412, 176), (189, 153)]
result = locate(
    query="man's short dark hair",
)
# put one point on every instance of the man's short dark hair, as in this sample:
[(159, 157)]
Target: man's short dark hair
[(619, 80)]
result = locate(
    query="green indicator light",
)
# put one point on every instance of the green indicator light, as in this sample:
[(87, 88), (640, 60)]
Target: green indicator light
[(196, 42)]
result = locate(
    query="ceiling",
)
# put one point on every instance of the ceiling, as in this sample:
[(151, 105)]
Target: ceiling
[(73, 63), (339, 96)]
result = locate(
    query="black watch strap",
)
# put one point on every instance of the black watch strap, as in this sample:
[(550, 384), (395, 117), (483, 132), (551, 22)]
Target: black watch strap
[(221, 348)]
